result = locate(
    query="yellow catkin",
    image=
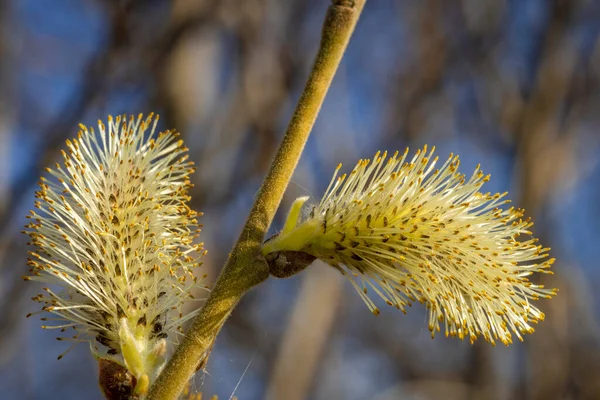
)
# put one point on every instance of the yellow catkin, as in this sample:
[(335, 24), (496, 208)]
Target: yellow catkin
[(112, 228), (411, 232)]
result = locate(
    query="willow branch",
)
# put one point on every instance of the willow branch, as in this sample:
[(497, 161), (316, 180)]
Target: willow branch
[(245, 266)]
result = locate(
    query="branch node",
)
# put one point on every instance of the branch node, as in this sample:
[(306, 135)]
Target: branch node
[(283, 264)]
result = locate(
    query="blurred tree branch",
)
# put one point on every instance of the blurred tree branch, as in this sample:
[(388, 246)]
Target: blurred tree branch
[(544, 156), (306, 335)]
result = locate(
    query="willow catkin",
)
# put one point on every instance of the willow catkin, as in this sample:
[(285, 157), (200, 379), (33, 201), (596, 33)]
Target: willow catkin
[(412, 233)]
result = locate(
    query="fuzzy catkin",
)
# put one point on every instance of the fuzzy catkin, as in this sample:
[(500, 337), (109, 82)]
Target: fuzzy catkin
[(113, 231), (409, 232)]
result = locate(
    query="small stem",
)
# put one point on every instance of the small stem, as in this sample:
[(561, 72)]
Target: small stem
[(246, 267)]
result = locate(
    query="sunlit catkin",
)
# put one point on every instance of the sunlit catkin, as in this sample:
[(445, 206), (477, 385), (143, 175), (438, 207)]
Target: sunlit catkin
[(115, 239), (410, 232)]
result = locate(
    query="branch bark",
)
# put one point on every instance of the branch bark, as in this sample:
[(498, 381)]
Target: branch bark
[(245, 266)]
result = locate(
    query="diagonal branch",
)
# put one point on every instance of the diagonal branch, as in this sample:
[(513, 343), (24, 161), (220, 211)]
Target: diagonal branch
[(245, 267)]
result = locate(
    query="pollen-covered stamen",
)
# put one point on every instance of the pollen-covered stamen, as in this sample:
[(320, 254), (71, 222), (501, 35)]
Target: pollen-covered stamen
[(414, 233), (112, 226)]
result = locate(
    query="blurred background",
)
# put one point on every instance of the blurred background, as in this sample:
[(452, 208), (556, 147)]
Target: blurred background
[(511, 84)]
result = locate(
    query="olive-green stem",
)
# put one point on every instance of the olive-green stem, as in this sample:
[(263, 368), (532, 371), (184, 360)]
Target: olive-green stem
[(246, 267)]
